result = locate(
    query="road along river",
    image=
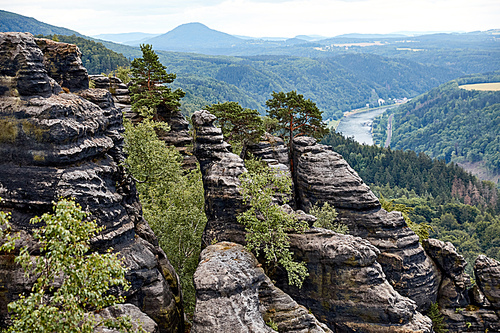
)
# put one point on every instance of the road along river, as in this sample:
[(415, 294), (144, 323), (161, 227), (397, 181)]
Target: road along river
[(359, 125)]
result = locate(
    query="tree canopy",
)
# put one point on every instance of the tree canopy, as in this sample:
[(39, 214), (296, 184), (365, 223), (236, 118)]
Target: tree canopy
[(239, 125), (149, 79), (296, 116)]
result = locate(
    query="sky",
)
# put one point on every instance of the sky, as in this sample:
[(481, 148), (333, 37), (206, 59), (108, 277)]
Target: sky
[(264, 18)]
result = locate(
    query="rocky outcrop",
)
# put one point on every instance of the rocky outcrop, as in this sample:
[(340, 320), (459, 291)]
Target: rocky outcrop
[(62, 145), (220, 170), (137, 317), (269, 148), (346, 289), (346, 286), (455, 283), (487, 271), (321, 175), (64, 64), (234, 295), (483, 314), (118, 89)]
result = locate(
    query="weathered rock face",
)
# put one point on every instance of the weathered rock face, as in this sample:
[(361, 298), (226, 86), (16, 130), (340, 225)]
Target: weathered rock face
[(64, 145), (270, 147), (346, 289), (118, 89), (234, 295), (64, 64), (453, 291), (220, 170), (322, 175), (487, 271)]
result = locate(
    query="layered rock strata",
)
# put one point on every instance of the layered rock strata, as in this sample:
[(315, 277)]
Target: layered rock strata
[(63, 63), (321, 175), (57, 144), (346, 289), (220, 171), (234, 295)]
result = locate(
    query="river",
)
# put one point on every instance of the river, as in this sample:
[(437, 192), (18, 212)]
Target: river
[(359, 125)]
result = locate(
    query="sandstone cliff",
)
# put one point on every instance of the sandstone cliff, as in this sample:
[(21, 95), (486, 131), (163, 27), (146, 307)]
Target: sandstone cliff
[(55, 144), (346, 289)]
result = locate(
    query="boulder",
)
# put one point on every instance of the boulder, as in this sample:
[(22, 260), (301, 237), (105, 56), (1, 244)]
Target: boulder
[(453, 291), (64, 145), (487, 272), (233, 294)]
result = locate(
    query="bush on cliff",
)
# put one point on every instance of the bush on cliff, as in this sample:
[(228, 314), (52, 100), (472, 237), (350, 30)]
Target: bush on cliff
[(71, 284), (267, 223), (172, 200)]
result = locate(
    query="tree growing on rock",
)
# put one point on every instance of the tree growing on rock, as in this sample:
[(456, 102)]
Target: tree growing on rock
[(240, 126), (148, 89), (71, 284), (296, 116)]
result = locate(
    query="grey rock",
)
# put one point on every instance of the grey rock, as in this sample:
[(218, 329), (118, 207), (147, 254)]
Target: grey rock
[(346, 287), (220, 170), (321, 175), (137, 317), (64, 64), (476, 320), (65, 145), (270, 147), (234, 295), (487, 272), (22, 71), (453, 291)]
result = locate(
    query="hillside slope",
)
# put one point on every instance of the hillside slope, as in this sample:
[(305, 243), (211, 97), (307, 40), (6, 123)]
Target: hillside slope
[(452, 123), (12, 22)]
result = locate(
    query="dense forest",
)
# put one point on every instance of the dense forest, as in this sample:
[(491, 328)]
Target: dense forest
[(336, 84), (450, 123), (15, 22), (458, 206), (95, 56)]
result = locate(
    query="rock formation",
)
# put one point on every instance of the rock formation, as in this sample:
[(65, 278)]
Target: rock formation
[(346, 288), (178, 136), (321, 175), (234, 295), (57, 144)]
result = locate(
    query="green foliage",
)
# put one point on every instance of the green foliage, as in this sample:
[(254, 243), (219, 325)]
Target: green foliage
[(172, 200), (123, 73), (437, 319), (96, 58), (239, 125), (326, 216), (71, 283), (296, 116), (272, 324), (420, 229), (267, 223), (149, 79)]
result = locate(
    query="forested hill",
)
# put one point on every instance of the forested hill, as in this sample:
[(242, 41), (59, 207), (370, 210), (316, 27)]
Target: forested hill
[(335, 84), (15, 22), (452, 122)]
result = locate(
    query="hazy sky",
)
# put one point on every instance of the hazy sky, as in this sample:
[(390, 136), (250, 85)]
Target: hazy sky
[(263, 18)]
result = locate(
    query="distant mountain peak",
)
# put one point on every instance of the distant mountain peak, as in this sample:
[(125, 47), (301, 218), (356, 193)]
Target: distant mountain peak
[(192, 36)]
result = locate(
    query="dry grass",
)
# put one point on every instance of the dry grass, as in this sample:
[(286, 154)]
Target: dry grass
[(494, 86)]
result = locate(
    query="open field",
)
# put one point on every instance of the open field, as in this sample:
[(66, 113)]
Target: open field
[(494, 86)]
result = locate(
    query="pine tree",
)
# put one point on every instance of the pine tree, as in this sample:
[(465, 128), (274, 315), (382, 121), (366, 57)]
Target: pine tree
[(149, 79)]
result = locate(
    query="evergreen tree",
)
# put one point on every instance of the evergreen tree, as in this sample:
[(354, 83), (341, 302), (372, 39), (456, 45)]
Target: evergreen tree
[(240, 126), (296, 116), (149, 79)]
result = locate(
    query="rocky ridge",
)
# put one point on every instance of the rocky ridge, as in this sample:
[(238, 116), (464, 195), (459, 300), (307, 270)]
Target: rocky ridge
[(346, 288), (55, 143)]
